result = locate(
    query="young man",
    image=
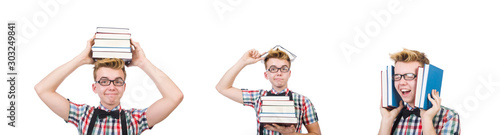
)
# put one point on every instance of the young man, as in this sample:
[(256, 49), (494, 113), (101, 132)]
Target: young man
[(109, 77), (277, 65), (408, 120)]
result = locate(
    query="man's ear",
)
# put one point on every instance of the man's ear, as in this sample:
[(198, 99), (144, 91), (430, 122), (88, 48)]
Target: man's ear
[(94, 87), (265, 75)]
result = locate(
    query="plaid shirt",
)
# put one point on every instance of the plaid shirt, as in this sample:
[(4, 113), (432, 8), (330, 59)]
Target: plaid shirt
[(80, 115), (446, 122), (304, 109)]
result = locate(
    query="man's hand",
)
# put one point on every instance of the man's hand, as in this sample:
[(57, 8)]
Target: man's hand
[(436, 106), (428, 115), (138, 56), (251, 57), (85, 57), (388, 117), (391, 114), (282, 129)]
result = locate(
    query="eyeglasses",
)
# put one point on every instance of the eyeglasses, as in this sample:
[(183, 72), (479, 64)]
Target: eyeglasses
[(407, 76), (107, 82), (274, 69)]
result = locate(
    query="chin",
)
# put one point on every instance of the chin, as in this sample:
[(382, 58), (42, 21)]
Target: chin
[(409, 100)]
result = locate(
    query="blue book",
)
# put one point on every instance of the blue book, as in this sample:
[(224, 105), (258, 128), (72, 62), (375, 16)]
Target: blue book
[(430, 79), (390, 96)]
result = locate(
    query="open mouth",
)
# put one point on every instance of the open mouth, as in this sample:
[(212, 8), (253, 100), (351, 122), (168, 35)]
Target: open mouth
[(405, 91)]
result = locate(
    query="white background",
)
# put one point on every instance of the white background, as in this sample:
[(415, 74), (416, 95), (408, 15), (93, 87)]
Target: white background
[(195, 43)]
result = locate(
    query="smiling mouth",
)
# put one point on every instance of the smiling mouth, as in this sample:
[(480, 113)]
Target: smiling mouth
[(405, 91)]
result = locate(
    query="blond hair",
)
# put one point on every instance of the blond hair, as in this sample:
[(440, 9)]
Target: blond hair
[(277, 54), (113, 63), (410, 56)]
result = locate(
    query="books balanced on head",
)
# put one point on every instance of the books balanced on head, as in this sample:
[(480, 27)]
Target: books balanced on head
[(428, 78), (278, 110), (112, 42), (281, 48)]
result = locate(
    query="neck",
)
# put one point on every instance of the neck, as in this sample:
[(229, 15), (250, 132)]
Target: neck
[(279, 89), (109, 106), (412, 104)]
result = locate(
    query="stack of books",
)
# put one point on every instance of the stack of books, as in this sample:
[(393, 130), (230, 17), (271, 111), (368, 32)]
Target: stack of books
[(429, 78), (390, 96), (111, 42), (278, 110)]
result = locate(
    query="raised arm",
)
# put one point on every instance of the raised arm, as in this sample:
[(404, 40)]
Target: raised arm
[(225, 85), (46, 88), (171, 94)]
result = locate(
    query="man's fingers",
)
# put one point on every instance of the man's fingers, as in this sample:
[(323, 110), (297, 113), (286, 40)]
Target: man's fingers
[(434, 103), (435, 98), (134, 43), (258, 59), (261, 59), (269, 127), (400, 106), (91, 41)]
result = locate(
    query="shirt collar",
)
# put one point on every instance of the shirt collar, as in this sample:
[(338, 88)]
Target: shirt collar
[(118, 107), (276, 92), (408, 107)]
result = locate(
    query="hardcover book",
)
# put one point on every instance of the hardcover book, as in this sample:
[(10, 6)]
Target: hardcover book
[(112, 30), (431, 79), (112, 35), (389, 95), (279, 47), (282, 121)]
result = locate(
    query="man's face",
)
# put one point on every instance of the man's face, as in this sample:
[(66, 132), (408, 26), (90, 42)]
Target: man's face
[(406, 88), (278, 79), (111, 94)]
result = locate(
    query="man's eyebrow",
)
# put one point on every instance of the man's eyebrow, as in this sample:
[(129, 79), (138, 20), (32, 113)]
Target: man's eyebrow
[(277, 66), (108, 78)]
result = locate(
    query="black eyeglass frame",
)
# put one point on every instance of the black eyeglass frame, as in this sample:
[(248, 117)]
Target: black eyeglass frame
[(401, 76), (109, 82), (279, 69)]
